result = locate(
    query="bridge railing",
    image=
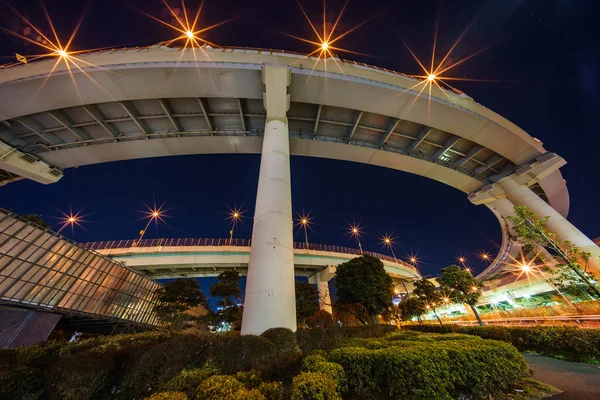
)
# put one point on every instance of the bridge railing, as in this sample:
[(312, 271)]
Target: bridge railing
[(176, 242)]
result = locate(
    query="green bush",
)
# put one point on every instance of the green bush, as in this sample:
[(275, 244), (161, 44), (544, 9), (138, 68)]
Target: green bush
[(361, 331), (250, 379), (320, 364), (286, 347), (168, 396), (162, 361), (189, 379), (571, 343), (314, 386), (432, 370), (244, 353), (272, 390), (24, 371), (312, 339), (225, 387)]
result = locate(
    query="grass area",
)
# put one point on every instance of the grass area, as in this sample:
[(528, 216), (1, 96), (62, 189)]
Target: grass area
[(366, 362)]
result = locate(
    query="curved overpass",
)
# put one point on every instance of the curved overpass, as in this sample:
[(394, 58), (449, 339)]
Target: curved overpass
[(172, 258), (161, 101)]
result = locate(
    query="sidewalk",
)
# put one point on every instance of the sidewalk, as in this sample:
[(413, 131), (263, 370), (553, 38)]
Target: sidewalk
[(578, 381)]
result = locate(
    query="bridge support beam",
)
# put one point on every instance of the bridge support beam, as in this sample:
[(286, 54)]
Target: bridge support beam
[(520, 194), (321, 279), (270, 293)]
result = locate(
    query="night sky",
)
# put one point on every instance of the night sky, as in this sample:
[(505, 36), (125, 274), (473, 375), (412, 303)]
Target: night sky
[(543, 55)]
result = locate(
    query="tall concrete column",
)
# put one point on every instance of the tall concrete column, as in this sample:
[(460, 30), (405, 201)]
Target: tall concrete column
[(270, 299), (521, 195), (321, 279)]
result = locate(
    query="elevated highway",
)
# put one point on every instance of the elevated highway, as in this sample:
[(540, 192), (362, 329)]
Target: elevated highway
[(164, 101)]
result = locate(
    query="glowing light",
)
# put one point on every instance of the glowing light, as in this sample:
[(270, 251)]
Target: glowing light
[(62, 53), (186, 26), (484, 256), (354, 230), (324, 46), (71, 219), (413, 260), (474, 288), (446, 300), (155, 214), (431, 77)]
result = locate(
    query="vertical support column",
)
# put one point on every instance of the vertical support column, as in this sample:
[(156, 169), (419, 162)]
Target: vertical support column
[(270, 299), (324, 296), (521, 195)]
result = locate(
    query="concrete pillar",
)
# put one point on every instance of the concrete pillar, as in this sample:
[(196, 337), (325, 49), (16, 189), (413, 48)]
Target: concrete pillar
[(521, 195), (324, 296), (270, 299)]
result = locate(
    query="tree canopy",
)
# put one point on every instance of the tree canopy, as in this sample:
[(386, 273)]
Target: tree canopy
[(426, 291), (177, 297), (363, 281), (461, 286), (411, 307), (307, 301)]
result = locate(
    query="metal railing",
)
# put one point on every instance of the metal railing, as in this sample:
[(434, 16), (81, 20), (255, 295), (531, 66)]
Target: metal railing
[(206, 242)]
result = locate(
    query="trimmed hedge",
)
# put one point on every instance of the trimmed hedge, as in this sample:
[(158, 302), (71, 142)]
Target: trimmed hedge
[(314, 386), (432, 370), (321, 339), (565, 342), (189, 379), (320, 364), (168, 396), (226, 387)]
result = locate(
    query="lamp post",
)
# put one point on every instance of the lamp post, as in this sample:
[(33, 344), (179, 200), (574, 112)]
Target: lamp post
[(235, 215), (154, 215)]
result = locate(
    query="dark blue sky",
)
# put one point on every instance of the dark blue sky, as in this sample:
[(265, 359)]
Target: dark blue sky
[(544, 52)]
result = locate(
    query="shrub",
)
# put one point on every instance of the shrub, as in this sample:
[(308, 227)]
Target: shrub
[(272, 390), (571, 343), (158, 364), (320, 364), (23, 371), (286, 346), (168, 396), (434, 370), (189, 379), (314, 386), (250, 379), (244, 353), (225, 387), (312, 339)]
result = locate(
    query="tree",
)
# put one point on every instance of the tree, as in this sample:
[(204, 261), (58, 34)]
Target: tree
[(533, 232), (411, 307), (177, 297), (429, 294), (461, 286), (363, 281), (307, 301), (228, 289), (320, 319), (36, 219)]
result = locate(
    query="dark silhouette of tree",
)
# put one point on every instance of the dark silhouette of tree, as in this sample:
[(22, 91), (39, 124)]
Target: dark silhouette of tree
[(461, 286), (429, 295), (363, 282), (411, 307), (176, 299), (228, 289), (307, 301), (36, 219)]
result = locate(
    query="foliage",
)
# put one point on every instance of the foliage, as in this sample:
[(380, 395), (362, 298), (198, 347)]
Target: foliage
[(189, 379), (461, 286), (411, 307), (312, 339), (307, 301), (272, 390), (432, 370), (226, 387), (284, 340), (168, 396), (175, 298), (320, 364), (570, 282), (363, 281), (571, 343), (314, 386), (245, 353), (227, 288), (36, 219), (426, 291), (533, 231), (320, 319)]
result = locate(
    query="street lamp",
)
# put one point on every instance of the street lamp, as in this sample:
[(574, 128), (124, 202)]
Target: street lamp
[(355, 232), (153, 215), (304, 222), (389, 242), (235, 215)]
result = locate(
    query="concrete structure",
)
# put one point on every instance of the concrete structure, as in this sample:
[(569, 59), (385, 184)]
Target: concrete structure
[(158, 101), (173, 258)]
